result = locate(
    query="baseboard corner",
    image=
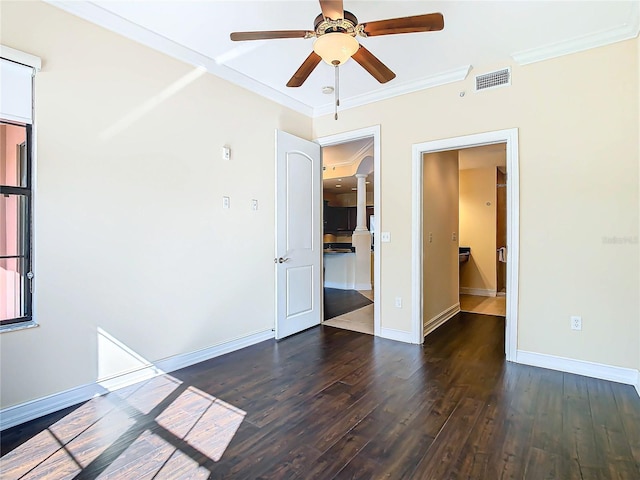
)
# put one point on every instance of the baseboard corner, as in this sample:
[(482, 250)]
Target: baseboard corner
[(440, 319), (397, 335)]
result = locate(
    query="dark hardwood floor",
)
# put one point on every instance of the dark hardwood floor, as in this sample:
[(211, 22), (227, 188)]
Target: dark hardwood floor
[(330, 403)]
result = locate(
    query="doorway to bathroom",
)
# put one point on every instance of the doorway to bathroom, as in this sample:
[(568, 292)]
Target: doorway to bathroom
[(482, 206), (438, 232)]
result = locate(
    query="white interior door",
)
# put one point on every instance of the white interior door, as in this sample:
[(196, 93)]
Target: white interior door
[(298, 259)]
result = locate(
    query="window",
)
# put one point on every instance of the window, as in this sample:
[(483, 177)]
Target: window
[(17, 70), (15, 222)]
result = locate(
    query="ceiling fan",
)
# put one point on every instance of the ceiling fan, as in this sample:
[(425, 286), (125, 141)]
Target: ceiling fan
[(335, 30)]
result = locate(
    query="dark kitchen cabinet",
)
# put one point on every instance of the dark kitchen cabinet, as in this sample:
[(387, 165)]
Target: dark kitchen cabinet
[(342, 219)]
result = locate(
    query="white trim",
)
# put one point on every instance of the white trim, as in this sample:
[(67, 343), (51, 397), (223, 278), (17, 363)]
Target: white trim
[(397, 335), (362, 286), (628, 376), (12, 416), (104, 18), (177, 362), (586, 42), (14, 327), (340, 286), (451, 76), (482, 292), (24, 412), (373, 131), (21, 57), (441, 318), (510, 137)]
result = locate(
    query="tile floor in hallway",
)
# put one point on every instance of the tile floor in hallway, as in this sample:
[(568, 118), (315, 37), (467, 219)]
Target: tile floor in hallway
[(360, 320), (483, 305)]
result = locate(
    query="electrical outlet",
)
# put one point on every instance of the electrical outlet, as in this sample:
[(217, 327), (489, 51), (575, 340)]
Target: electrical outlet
[(576, 322), (254, 204), (454, 237), (398, 302), (226, 202), (430, 237), (385, 236)]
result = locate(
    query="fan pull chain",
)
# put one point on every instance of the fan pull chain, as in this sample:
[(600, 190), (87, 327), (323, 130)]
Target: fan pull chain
[(337, 89)]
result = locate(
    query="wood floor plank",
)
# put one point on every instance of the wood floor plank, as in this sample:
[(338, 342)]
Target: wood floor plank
[(330, 403)]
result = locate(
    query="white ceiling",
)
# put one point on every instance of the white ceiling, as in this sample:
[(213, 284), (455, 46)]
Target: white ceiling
[(476, 33), (343, 154)]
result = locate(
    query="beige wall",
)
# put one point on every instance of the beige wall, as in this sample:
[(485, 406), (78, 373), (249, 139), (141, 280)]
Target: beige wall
[(578, 139), (131, 237), (440, 221), (478, 227)]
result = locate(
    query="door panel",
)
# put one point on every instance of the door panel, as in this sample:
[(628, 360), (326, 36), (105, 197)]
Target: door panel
[(299, 290), (298, 234)]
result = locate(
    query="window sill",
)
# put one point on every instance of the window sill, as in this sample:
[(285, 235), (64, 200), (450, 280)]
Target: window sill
[(18, 326)]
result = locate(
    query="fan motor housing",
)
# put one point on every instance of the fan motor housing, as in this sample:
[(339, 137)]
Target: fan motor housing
[(342, 25)]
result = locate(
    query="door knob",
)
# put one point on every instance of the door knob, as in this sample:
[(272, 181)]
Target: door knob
[(282, 260)]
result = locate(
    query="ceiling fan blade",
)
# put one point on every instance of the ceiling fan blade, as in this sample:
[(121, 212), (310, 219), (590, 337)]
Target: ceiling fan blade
[(332, 9), (305, 70), (269, 34), (419, 23), (371, 64)]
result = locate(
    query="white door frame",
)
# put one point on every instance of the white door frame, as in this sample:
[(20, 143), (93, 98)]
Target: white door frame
[(510, 137), (373, 131)]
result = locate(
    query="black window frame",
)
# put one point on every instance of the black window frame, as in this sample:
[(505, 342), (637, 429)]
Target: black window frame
[(27, 193)]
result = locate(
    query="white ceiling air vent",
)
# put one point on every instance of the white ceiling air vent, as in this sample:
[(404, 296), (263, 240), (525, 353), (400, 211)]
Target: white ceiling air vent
[(499, 78)]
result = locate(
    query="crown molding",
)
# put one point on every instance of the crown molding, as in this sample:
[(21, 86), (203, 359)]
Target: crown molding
[(359, 155), (95, 14), (451, 76), (579, 44)]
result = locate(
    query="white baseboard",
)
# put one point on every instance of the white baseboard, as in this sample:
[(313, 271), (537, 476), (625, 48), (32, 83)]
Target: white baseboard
[(363, 286), (629, 376), (397, 335), (482, 292), (17, 414), (433, 323), (177, 362), (340, 286)]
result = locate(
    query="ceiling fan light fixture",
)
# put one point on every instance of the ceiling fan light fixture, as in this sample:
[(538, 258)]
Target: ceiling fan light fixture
[(336, 48)]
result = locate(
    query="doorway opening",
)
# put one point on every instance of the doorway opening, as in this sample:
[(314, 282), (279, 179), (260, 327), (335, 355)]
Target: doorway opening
[(435, 166), (350, 197), (482, 229)]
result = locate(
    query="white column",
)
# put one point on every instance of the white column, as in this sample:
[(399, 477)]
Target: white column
[(361, 225), (361, 238)]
